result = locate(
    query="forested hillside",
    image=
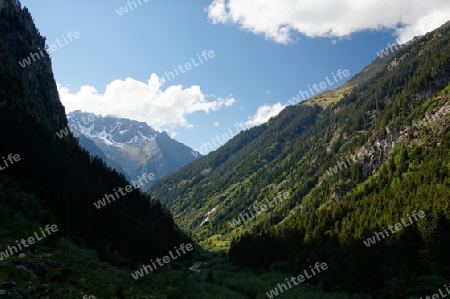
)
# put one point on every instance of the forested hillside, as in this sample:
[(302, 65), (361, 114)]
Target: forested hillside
[(337, 197), (357, 178), (411, 262), (54, 181), (293, 151)]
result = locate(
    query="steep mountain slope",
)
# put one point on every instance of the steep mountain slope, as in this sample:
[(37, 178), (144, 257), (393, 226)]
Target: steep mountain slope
[(351, 169), (255, 157), (134, 146), (54, 174), (94, 151), (292, 152), (354, 233)]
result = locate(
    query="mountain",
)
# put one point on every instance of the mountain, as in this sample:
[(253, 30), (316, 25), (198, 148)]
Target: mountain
[(47, 181), (94, 151), (316, 181), (131, 146), (52, 181), (356, 179)]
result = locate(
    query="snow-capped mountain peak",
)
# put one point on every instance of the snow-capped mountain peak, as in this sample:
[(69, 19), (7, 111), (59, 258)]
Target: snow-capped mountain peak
[(112, 130)]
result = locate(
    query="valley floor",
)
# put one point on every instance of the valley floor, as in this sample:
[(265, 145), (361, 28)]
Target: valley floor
[(73, 272)]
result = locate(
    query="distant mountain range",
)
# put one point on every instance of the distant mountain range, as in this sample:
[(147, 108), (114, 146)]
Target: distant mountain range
[(131, 147)]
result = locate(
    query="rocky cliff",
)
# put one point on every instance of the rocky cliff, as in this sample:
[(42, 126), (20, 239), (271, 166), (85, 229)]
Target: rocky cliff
[(34, 88)]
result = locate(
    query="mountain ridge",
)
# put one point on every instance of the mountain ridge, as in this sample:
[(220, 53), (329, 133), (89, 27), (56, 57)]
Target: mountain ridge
[(55, 176), (401, 112), (387, 138), (271, 151), (131, 146)]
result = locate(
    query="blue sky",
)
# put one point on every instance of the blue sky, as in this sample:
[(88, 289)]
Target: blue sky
[(264, 52)]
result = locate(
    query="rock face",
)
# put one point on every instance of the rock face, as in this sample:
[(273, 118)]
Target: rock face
[(129, 146), (29, 71), (35, 87), (55, 171), (395, 134)]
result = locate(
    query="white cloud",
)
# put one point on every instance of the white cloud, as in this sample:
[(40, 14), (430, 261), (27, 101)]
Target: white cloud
[(262, 115), (216, 124), (161, 109), (279, 20)]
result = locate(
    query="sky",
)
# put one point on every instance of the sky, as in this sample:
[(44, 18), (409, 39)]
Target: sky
[(197, 69)]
